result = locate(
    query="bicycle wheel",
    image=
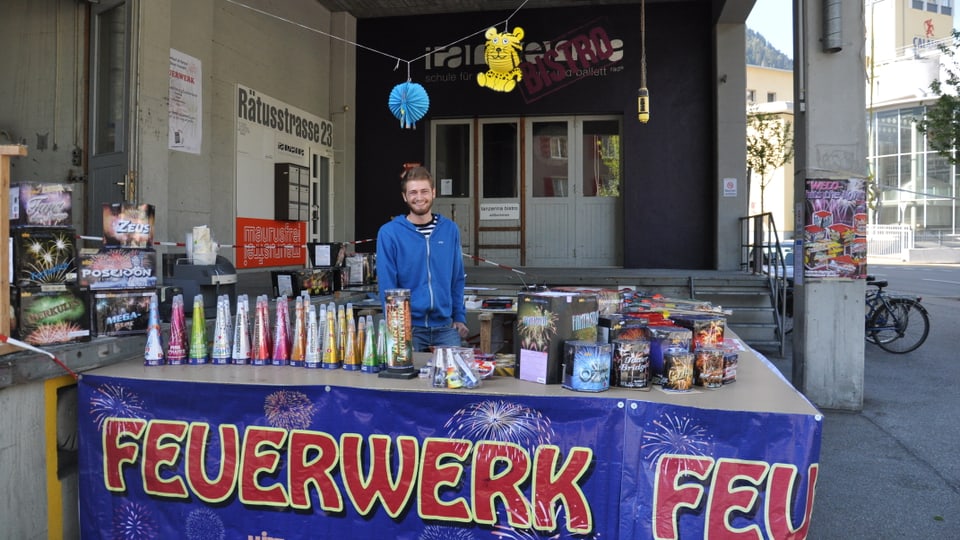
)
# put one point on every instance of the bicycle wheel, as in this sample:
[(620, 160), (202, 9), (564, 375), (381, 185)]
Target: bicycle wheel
[(901, 328)]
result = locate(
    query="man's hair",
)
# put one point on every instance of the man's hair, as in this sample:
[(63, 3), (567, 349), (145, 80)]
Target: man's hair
[(415, 173)]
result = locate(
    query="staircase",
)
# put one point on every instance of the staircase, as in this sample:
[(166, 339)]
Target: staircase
[(751, 302)]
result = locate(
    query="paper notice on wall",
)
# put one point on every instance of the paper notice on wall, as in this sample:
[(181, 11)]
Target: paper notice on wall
[(729, 187), (186, 103)]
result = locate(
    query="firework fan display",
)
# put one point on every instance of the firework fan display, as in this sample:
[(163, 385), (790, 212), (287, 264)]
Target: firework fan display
[(677, 369), (707, 328), (662, 338), (544, 321), (45, 317), (43, 256), (41, 205), (586, 366), (708, 367), (118, 268), (121, 313), (177, 344), (631, 361), (128, 225)]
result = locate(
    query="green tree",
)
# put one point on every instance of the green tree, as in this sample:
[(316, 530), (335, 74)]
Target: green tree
[(941, 121), (769, 146)]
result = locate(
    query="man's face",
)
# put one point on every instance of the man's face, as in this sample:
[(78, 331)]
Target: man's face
[(419, 196)]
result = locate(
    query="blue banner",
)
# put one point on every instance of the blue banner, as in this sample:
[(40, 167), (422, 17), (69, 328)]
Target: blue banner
[(163, 459)]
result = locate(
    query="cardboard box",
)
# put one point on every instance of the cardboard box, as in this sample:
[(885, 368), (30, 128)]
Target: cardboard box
[(128, 225), (361, 268), (44, 256), (41, 205), (121, 313), (707, 328), (544, 321), (118, 268), (53, 314), (323, 255), (661, 338), (315, 281), (618, 326)]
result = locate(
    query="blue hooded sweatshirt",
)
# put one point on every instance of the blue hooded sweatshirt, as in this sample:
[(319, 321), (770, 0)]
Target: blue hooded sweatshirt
[(431, 268)]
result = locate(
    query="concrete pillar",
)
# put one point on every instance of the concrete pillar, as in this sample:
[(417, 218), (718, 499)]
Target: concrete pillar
[(831, 142)]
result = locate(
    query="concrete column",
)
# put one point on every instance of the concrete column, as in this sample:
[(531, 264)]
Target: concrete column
[(730, 140), (831, 142)]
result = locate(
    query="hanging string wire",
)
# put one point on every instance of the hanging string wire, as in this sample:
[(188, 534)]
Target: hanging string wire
[(643, 45), (434, 50)]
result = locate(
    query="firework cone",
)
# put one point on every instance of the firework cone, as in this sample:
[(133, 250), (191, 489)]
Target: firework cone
[(221, 351), (330, 358), (312, 357), (369, 364), (361, 339), (298, 345), (341, 332), (153, 352), (198, 333), (261, 333), (351, 361), (241, 332), (281, 333), (382, 343), (177, 346)]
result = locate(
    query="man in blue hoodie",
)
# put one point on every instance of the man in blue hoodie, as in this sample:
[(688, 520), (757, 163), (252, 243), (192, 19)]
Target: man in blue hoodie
[(421, 251)]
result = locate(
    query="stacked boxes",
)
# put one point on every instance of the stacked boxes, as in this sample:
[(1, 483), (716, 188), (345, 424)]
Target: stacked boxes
[(545, 320), (122, 275), (48, 306)]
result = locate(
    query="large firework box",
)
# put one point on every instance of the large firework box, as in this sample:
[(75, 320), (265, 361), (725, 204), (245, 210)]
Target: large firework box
[(121, 312), (316, 281), (361, 269), (128, 225), (41, 205), (609, 301), (117, 268), (51, 314), (326, 254), (545, 320), (620, 326), (661, 338), (707, 328), (44, 256)]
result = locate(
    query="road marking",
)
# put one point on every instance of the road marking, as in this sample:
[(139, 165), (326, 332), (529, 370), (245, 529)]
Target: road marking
[(941, 281)]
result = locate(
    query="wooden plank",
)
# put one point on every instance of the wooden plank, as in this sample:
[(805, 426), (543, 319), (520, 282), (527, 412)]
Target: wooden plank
[(6, 151)]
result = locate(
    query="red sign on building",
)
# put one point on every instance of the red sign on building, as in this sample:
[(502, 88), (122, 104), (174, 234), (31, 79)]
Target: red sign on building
[(265, 242)]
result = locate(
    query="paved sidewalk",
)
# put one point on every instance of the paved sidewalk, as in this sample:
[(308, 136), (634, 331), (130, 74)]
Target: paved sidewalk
[(892, 470)]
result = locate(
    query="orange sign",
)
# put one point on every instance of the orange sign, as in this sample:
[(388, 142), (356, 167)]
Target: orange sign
[(265, 242)]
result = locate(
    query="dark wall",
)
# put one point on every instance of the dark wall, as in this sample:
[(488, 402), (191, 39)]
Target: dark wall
[(669, 187)]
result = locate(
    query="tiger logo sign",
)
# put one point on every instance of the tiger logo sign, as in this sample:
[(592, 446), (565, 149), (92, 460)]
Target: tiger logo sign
[(502, 57)]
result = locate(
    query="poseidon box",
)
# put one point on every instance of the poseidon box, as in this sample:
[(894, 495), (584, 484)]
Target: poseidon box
[(52, 314), (41, 205), (118, 268), (544, 321), (121, 313), (44, 256)]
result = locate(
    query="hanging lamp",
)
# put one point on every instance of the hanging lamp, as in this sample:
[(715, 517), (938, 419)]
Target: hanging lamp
[(643, 95)]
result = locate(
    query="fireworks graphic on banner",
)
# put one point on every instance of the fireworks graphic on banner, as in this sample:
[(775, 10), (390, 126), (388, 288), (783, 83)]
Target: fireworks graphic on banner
[(115, 401), (438, 532), (204, 524), (289, 410), (674, 435), (501, 421), (132, 521)]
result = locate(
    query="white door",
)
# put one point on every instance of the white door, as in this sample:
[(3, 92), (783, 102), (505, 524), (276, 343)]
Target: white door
[(573, 203)]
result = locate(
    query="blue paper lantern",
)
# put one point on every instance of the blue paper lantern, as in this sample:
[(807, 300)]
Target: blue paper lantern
[(408, 102)]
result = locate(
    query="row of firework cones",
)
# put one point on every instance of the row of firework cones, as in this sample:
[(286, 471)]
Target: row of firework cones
[(327, 336)]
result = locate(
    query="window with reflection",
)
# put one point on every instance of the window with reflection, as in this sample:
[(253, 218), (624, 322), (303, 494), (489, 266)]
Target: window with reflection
[(451, 169), (602, 163), (550, 159)]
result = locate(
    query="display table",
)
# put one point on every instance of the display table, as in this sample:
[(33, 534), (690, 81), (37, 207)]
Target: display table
[(241, 451)]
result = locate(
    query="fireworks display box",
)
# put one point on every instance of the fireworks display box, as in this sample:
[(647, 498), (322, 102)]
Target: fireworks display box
[(316, 281), (361, 269), (128, 225), (52, 314), (325, 254), (545, 320), (707, 328), (41, 205), (609, 301), (117, 268), (121, 313), (43, 256), (618, 326)]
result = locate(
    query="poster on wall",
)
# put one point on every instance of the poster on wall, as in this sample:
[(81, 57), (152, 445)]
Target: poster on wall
[(265, 242), (185, 103), (835, 228)]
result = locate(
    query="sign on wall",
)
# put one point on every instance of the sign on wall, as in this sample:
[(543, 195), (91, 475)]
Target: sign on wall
[(835, 232), (185, 103), (265, 242)]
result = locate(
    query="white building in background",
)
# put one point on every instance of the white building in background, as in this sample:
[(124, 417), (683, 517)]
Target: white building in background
[(918, 187)]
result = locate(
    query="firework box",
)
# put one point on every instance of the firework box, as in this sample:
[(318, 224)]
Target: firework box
[(618, 326), (117, 268), (316, 281), (707, 328), (121, 313), (545, 320), (609, 301), (661, 338), (52, 314), (128, 225), (361, 268), (44, 256), (41, 205), (324, 254)]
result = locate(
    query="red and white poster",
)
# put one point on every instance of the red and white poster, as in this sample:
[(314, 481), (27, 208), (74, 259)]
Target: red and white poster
[(265, 242)]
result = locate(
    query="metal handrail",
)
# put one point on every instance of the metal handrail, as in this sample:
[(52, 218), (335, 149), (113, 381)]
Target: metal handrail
[(762, 253)]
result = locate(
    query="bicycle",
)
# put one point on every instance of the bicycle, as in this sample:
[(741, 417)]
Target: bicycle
[(896, 323)]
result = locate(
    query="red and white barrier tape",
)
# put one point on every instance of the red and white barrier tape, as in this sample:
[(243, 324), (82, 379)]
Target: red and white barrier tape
[(26, 346), (235, 246), (498, 265)]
